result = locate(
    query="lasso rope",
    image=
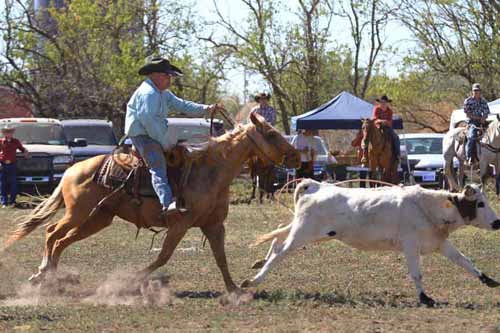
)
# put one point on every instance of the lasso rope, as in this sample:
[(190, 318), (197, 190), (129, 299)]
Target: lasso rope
[(285, 187)]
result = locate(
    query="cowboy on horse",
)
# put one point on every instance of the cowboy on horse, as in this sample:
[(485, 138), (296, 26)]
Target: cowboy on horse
[(146, 123), (382, 116), (477, 111)]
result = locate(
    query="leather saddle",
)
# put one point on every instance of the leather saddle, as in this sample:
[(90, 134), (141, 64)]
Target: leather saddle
[(126, 170)]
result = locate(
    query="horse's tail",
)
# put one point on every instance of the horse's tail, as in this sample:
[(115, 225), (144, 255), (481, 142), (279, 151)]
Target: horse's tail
[(272, 235), (42, 213)]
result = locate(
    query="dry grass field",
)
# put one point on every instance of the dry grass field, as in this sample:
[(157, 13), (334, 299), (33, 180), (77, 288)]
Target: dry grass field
[(325, 287)]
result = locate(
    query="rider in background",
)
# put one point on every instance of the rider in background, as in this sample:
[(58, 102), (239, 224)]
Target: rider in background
[(382, 114), (264, 109), (477, 111)]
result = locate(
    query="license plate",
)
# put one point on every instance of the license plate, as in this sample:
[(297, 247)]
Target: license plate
[(429, 177)]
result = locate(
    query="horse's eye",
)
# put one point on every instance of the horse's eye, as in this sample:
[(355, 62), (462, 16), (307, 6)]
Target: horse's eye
[(480, 204)]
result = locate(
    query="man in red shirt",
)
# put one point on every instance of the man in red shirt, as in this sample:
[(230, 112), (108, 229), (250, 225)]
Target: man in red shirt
[(382, 114), (8, 173)]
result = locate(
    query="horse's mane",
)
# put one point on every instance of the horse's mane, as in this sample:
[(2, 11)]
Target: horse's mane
[(219, 146)]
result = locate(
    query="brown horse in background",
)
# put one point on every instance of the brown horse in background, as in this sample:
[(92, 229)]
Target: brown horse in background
[(263, 175), (378, 151), (206, 197)]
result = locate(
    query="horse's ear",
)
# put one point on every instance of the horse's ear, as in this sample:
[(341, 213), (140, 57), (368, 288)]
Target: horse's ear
[(257, 120), (498, 116)]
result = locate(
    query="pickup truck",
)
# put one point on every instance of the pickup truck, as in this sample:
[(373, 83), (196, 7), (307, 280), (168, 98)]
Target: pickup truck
[(89, 137), (50, 154)]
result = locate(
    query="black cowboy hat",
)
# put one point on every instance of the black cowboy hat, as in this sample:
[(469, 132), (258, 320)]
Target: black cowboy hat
[(160, 65), (384, 98), (262, 95)]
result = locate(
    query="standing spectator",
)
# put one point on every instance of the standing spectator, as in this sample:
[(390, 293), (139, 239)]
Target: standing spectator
[(476, 109), (264, 109), (304, 143), (8, 174)]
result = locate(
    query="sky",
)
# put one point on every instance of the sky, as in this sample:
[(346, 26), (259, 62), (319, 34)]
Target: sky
[(399, 37)]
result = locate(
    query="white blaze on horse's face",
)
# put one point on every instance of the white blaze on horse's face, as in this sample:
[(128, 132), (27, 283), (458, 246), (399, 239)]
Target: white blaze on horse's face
[(271, 145), (485, 216)]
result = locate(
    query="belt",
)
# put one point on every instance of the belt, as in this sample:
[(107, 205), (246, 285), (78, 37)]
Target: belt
[(7, 162)]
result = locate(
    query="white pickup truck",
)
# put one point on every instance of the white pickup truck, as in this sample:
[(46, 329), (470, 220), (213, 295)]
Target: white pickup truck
[(49, 157)]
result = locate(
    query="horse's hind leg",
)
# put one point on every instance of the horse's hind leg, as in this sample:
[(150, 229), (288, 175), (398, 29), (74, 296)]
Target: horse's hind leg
[(53, 232), (98, 222)]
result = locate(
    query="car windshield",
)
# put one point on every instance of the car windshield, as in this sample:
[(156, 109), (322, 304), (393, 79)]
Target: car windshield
[(417, 146), (39, 133), (320, 148), (94, 134), (190, 134)]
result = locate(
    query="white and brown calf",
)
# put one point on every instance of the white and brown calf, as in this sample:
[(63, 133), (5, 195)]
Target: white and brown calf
[(413, 220)]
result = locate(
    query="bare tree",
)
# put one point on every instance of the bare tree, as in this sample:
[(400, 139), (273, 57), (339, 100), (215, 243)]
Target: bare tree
[(275, 49), (458, 38), (367, 22)]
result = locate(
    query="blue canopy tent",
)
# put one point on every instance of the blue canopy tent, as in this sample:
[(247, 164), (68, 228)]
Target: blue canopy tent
[(344, 111)]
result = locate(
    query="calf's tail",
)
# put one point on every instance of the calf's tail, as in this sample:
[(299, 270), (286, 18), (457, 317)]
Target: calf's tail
[(42, 213), (273, 234)]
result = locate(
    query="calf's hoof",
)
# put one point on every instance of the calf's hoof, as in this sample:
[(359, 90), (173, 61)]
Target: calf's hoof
[(36, 278), (426, 300), (488, 281), (259, 264)]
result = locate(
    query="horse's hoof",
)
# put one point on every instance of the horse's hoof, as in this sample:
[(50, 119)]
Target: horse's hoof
[(246, 284), (259, 264), (489, 281)]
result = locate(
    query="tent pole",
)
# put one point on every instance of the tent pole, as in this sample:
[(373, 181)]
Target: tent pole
[(410, 173)]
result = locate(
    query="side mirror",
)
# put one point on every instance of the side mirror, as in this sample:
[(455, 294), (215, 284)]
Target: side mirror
[(78, 142)]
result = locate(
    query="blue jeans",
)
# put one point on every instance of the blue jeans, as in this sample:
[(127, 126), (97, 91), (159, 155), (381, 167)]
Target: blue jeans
[(396, 143), (154, 156), (472, 135), (8, 181)]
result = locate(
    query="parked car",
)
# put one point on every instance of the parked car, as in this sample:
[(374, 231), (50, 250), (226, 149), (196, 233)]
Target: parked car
[(424, 152), (50, 154), (321, 163), (191, 130), (89, 137)]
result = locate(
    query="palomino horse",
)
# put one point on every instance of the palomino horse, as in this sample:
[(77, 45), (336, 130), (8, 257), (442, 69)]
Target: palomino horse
[(263, 177), (206, 196), (489, 148), (378, 152)]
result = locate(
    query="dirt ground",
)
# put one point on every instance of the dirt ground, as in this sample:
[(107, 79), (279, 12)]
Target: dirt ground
[(325, 287)]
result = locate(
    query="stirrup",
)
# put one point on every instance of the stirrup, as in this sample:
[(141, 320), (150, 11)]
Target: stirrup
[(172, 209)]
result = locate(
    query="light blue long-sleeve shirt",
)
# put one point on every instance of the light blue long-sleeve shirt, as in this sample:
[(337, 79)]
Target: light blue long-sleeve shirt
[(148, 108)]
